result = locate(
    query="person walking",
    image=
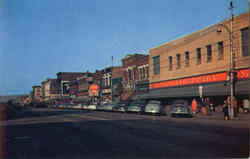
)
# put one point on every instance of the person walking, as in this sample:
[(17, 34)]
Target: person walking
[(225, 110), (194, 106)]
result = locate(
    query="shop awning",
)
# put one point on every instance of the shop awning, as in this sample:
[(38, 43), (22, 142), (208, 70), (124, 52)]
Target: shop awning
[(212, 89)]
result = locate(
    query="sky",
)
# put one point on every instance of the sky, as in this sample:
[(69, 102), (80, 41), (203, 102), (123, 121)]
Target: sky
[(39, 38)]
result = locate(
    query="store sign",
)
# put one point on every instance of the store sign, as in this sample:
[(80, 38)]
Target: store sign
[(217, 77), (94, 88)]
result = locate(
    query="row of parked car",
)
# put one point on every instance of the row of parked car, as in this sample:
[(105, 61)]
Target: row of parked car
[(177, 109)]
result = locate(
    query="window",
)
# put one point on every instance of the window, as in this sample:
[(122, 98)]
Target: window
[(143, 73), (187, 59), (244, 41), (134, 71), (170, 60), (125, 75), (156, 65), (147, 71), (220, 50), (178, 64), (209, 53), (198, 50), (129, 75)]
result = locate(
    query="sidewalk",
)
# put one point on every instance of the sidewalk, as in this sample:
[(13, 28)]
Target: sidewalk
[(220, 116)]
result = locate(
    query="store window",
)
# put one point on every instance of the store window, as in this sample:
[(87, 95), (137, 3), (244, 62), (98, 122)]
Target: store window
[(198, 50), (156, 65), (170, 63), (209, 53), (178, 63), (187, 59), (220, 50), (244, 41)]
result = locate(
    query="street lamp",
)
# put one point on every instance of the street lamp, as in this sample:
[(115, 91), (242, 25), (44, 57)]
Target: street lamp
[(231, 69)]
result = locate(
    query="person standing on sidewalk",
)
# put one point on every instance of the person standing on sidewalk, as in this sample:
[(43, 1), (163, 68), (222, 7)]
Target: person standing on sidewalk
[(225, 110), (236, 111), (194, 106)]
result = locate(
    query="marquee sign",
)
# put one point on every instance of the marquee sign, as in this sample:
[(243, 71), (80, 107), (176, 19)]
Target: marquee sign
[(216, 77)]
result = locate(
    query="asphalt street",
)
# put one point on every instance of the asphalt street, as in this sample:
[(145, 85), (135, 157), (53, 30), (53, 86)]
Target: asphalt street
[(52, 133)]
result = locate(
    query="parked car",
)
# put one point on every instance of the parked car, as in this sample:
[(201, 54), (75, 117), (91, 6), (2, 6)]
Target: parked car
[(77, 106), (136, 107), (92, 107), (180, 110), (109, 106), (155, 107), (120, 107), (100, 107)]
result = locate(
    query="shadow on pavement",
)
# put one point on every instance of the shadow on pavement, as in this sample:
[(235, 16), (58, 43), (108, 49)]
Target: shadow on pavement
[(124, 139)]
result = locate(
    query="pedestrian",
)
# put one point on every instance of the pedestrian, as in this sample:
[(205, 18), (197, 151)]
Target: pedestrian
[(236, 111), (194, 106), (225, 110)]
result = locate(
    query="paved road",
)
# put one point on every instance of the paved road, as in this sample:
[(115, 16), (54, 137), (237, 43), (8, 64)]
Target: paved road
[(59, 134)]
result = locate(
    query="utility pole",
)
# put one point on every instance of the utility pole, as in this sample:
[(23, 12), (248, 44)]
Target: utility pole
[(112, 58), (231, 109)]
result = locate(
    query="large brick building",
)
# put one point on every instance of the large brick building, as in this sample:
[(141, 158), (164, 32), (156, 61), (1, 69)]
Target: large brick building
[(50, 89), (65, 78), (135, 75), (200, 62), (36, 94)]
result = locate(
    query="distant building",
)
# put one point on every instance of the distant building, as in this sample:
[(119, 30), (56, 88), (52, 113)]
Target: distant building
[(107, 79), (135, 75), (37, 94), (50, 89), (64, 79)]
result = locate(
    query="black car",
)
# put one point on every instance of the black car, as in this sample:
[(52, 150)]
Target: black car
[(181, 110), (121, 107), (137, 106), (155, 107)]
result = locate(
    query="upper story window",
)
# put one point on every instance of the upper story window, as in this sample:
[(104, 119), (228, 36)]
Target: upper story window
[(220, 50), (143, 72), (147, 73), (209, 53), (125, 75), (156, 65), (187, 58), (129, 75), (170, 63), (198, 51), (134, 70), (244, 41), (178, 63)]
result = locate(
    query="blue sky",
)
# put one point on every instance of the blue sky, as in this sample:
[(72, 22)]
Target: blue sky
[(42, 37)]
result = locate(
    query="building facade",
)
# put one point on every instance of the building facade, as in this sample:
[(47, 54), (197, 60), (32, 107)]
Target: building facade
[(37, 94), (64, 79), (50, 90), (135, 75), (197, 65)]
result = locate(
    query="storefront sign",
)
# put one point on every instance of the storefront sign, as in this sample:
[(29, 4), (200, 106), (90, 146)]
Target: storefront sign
[(217, 77)]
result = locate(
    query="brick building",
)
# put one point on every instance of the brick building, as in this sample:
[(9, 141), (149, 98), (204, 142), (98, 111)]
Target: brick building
[(36, 94), (50, 89), (117, 73), (135, 75), (106, 84), (200, 62), (64, 79)]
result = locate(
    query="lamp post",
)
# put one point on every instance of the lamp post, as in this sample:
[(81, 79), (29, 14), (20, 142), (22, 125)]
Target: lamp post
[(231, 69)]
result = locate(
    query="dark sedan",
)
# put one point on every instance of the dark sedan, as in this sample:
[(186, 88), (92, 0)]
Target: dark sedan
[(137, 107), (120, 107), (181, 110), (155, 107)]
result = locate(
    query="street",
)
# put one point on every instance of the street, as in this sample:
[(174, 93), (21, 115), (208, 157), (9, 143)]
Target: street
[(54, 133)]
